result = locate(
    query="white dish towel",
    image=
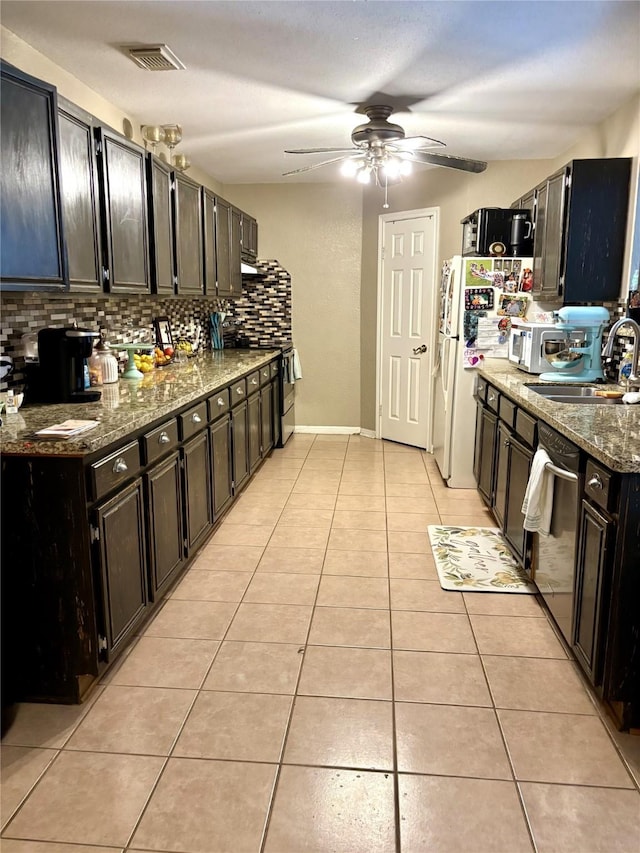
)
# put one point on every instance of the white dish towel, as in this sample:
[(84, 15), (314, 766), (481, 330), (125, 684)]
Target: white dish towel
[(297, 367), (538, 497)]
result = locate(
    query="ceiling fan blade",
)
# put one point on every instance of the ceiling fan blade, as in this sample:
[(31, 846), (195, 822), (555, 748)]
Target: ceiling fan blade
[(315, 166), (318, 150), (449, 160), (416, 142)]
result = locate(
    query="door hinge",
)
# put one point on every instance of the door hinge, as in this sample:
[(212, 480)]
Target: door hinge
[(105, 274), (98, 147), (567, 181), (102, 643), (94, 533), (380, 409), (561, 286), (175, 281), (382, 253), (173, 184)]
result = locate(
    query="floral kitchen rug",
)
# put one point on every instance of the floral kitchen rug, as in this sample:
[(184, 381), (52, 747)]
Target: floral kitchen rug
[(476, 559)]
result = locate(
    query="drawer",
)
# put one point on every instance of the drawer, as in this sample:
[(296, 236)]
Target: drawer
[(161, 439), (275, 369), (481, 389), (253, 382), (265, 374), (218, 404), (527, 428), (598, 485), (238, 392), (193, 420), (507, 411), (115, 469), (493, 398)]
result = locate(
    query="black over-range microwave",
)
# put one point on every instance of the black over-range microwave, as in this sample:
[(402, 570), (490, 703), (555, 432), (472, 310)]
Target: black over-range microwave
[(497, 231)]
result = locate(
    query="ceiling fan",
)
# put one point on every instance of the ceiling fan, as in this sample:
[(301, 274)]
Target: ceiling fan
[(382, 152)]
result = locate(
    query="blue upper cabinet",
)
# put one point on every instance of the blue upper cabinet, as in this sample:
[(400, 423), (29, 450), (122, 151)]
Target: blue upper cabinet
[(32, 253)]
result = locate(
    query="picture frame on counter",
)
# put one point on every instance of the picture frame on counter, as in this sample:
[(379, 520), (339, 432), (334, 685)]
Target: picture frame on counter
[(162, 327)]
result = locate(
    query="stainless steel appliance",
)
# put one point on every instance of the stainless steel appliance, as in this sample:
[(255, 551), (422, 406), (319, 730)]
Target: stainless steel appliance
[(287, 396), (556, 565), (526, 341), (497, 225)]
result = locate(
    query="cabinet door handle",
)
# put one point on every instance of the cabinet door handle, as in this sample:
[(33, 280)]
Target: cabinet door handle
[(595, 482), (220, 401), (120, 466), (163, 438), (195, 418), (491, 398), (239, 391), (506, 442), (254, 381)]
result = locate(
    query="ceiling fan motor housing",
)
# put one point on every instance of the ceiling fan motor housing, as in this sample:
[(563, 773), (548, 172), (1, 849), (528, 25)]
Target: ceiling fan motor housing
[(377, 129)]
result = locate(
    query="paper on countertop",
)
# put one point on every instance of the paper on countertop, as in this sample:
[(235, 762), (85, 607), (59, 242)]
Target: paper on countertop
[(66, 429)]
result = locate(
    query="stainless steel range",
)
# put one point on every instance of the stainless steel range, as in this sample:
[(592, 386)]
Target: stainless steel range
[(287, 396)]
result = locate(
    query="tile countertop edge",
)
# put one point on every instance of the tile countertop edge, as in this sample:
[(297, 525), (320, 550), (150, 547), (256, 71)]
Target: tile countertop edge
[(138, 404), (611, 434)]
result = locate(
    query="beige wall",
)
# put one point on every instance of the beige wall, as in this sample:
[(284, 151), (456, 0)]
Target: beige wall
[(315, 232), (17, 52)]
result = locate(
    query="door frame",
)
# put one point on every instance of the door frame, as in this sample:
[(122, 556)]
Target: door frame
[(383, 219)]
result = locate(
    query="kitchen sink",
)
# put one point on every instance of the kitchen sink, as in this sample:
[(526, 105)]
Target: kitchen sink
[(579, 394)]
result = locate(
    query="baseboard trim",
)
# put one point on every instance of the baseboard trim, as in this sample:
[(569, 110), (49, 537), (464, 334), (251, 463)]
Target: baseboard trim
[(328, 430), (368, 433)]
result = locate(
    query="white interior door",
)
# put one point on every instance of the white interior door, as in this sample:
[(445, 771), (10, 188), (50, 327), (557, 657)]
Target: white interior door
[(407, 326)]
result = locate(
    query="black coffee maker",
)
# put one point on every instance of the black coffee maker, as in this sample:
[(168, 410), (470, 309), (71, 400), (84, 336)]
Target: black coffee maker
[(61, 375)]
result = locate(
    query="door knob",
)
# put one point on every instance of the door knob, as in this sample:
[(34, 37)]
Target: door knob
[(417, 350)]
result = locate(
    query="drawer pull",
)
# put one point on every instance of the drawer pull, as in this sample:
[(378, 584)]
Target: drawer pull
[(195, 418), (506, 442), (220, 401), (491, 398), (120, 466), (239, 391), (254, 381), (595, 482), (163, 438)]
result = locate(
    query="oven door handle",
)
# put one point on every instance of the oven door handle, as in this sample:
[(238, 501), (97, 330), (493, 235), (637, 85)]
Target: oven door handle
[(561, 472)]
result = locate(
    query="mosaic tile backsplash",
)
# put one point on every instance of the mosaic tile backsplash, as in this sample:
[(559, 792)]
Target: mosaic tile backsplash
[(261, 317)]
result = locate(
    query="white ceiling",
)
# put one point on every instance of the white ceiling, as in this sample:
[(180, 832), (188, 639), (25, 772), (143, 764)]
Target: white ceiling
[(494, 80)]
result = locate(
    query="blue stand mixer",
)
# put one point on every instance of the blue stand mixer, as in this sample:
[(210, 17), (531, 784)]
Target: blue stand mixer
[(576, 354)]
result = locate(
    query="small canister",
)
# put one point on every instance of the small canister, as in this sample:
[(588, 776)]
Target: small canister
[(108, 362)]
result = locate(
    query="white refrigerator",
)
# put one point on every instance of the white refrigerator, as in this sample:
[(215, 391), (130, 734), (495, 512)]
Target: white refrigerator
[(478, 298)]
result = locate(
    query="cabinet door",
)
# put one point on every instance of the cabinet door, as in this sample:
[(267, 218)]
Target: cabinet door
[(30, 204), (197, 490), (538, 238), (123, 190), (249, 236), (489, 429), (123, 565), (240, 433), (221, 461), (188, 235), (477, 444), (275, 413), (266, 416), (591, 573), (80, 198), (164, 514), (253, 406), (552, 271), (235, 240), (503, 447), (223, 247), (161, 227), (209, 227), (520, 458)]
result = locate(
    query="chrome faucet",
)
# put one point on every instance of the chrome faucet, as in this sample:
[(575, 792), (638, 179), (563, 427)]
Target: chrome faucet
[(607, 352)]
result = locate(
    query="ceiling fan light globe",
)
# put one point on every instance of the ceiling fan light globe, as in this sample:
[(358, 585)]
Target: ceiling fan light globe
[(406, 168), (349, 168), (363, 176), (391, 168)]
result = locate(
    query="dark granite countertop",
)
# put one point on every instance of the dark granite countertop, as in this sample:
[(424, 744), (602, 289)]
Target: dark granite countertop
[(128, 405), (608, 433)]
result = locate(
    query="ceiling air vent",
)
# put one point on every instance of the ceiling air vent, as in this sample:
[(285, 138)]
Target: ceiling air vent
[(155, 57)]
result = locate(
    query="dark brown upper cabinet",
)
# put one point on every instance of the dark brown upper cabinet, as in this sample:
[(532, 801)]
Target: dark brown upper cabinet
[(80, 204), (223, 247), (31, 233), (123, 192), (188, 235), (161, 227), (235, 240), (249, 237), (210, 253)]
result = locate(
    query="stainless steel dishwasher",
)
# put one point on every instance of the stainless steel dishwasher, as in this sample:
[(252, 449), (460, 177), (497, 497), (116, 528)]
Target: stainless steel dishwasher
[(556, 569)]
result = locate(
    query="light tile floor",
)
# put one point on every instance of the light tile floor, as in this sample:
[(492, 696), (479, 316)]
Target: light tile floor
[(308, 686)]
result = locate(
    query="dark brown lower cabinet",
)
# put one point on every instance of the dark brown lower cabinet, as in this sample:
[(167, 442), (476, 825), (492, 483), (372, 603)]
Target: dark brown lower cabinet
[(255, 429), (220, 435), (266, 417), (592, 569), (275, 413), (197, 490), (513, 463), (240, 432), (163, 485), (122, 566), (485, 452)]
